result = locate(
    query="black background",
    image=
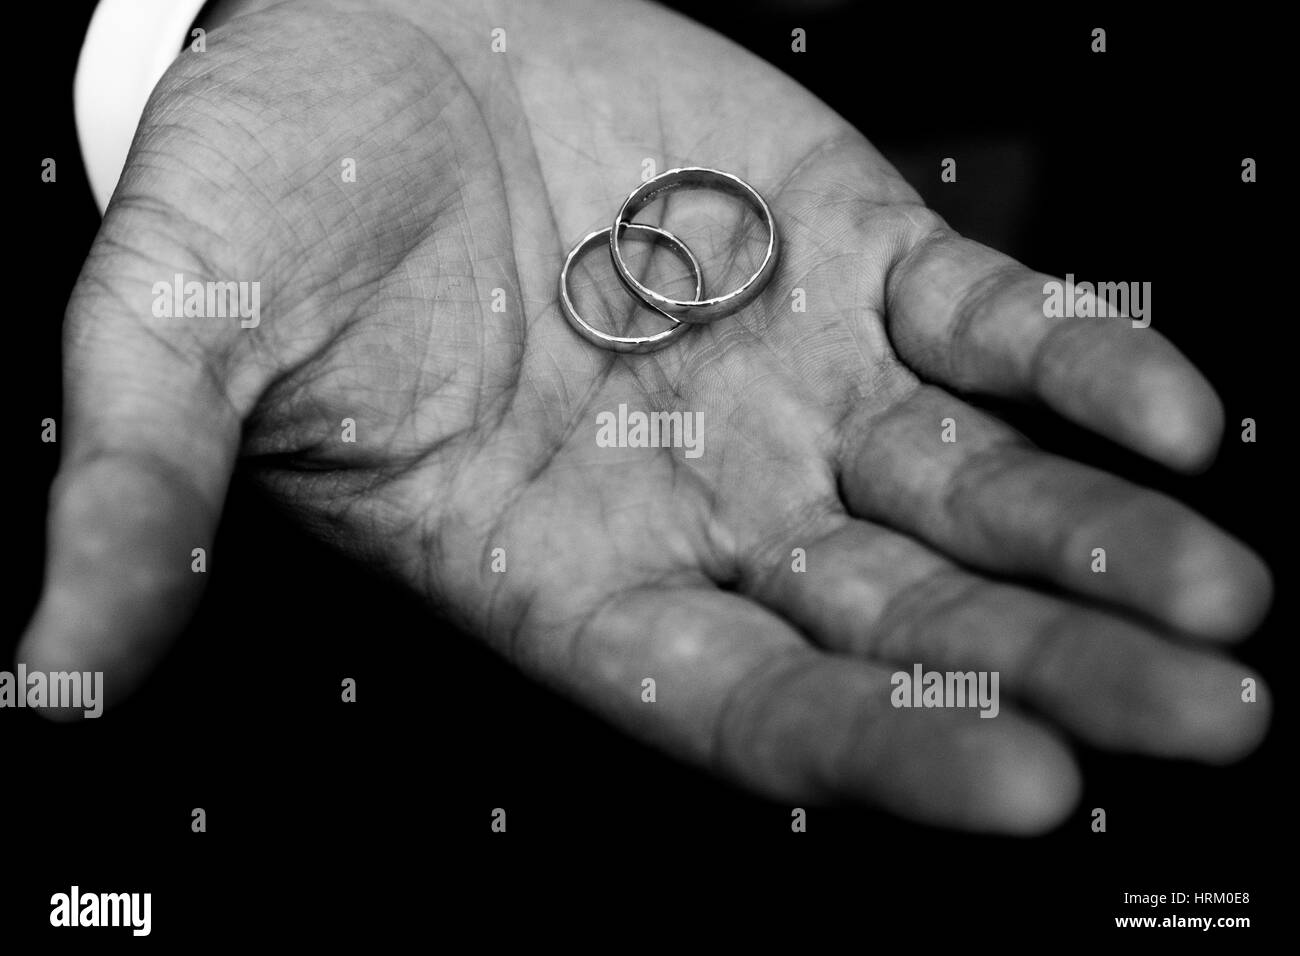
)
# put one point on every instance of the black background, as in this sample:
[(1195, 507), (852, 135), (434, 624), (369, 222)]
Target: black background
[(327, 820)]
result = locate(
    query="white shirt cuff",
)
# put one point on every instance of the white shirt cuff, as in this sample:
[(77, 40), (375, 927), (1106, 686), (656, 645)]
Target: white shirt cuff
[(128, 47)]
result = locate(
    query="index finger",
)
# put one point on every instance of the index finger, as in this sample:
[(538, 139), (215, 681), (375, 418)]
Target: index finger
[(975, 320)]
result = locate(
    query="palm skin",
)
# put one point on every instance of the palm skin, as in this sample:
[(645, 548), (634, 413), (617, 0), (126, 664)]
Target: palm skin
[(476, 171)]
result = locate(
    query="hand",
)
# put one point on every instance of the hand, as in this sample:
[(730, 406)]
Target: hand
[(476, 429)]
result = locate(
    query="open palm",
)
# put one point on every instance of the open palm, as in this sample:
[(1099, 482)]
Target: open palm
[(826, 537)]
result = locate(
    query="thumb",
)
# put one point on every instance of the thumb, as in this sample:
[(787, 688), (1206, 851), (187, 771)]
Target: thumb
[(149, 443)]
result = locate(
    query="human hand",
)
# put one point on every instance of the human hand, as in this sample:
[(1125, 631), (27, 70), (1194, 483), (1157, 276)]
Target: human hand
[(476, 429)]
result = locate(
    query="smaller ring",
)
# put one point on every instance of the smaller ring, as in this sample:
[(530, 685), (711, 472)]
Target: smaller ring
[(698, 310), (626, 343)]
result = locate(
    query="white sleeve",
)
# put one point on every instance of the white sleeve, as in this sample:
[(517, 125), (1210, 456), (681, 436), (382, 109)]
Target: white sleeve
[(128, 47)]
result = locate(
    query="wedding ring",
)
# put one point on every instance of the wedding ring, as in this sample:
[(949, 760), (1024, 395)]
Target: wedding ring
[(627, 343), (695, 310)]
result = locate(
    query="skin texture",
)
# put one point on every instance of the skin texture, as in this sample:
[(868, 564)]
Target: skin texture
[(476, 429)]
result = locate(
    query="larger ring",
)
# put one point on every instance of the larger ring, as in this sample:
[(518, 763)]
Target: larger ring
[(697, 310), (626, 343)]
